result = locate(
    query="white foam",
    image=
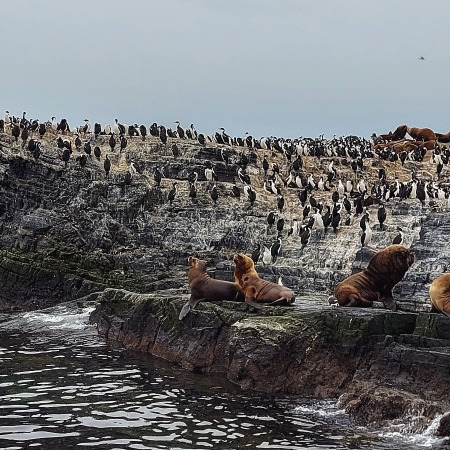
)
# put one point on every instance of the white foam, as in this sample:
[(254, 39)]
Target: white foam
[(426, 439), (61, 319)]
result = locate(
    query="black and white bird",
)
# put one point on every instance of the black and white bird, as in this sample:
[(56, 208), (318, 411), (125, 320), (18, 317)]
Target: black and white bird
[(366, 237), (175, 150), (280, 203), (107, 165), (280, 225), (172, 193), (123, 142), (193, 176), (245, 178), (88, 148), (97, 152), (65, 156), (256, 254), (271, 219), (265, 165), (398, 239), (214, 194), (275, 250), (112, 142), (157, 176), (82, 160), (267, 256), (305, 234), (251, 194), (78, 142), (381, 215)]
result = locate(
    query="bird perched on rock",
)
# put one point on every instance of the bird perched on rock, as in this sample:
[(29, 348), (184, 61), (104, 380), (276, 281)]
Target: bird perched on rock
[(175, 150), (157, 176), (97, 152), (266, 257), (305, 234), (82, 160), (88, 149), (123, 142), (271, 219), (15, 132), (112, 142), (172, 193), (366, 237), (265, 165), (65, 156), (398, 239), (192, 177), (245, 178), (275, 249), (256, 254), (107, 165), (381, 215), (214, 194), (280, 225), (251, 194), (280, 203), (192, 191)]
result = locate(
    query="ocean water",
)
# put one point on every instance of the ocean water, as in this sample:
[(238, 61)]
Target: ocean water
[(64, 387)]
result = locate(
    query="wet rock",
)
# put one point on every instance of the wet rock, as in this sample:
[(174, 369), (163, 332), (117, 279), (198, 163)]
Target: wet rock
[(443, 428), (383, 365)]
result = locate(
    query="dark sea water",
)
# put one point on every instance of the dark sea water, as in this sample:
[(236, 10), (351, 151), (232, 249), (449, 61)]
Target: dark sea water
[(63, 387)]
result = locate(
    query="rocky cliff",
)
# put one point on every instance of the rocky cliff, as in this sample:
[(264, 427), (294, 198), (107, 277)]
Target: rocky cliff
[(69, 231)]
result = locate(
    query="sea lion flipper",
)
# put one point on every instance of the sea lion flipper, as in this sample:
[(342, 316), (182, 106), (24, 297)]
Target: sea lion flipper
[(186, 308), (280, 301), (252, 303)]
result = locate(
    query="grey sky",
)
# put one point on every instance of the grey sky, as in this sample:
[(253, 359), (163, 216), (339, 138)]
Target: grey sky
[(283, 67)]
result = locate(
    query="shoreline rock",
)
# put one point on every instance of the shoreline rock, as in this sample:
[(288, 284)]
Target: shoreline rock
[(381, 365)]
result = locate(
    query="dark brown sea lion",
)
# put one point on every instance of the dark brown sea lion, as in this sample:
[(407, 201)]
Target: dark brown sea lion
[(398, 134), (421, 134), (259, 292), (205, 288), (443, 138), (375, 283), (440, 294)]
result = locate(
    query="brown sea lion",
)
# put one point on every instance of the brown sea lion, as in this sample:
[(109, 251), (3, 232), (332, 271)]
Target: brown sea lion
[(205, 288), (375, 283), (398, 134), (443, 138), (440, 294), (421, 134), (259, 292)]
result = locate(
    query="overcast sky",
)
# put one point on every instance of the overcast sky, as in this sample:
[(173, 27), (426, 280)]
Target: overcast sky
[(270, 67)]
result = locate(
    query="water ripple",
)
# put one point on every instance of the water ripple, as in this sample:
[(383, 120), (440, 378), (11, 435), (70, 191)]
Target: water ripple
[(61, 384)]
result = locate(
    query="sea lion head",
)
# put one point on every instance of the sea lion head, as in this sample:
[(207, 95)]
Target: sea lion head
[(196, 263), (391, 262), (243, 262), (402, 257)]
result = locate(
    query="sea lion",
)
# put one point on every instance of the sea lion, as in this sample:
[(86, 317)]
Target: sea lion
[(421, 134), (440, 294), (398, 134), (443, 138), (205, 288), (259, 292), (375, 283)]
